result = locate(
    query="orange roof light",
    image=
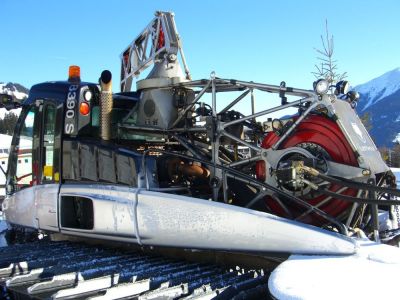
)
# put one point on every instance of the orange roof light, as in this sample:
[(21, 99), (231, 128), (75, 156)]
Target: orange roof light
[(84, 108), (74, 72)]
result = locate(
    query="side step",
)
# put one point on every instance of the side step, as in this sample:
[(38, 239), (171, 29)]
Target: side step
[(66, 270)]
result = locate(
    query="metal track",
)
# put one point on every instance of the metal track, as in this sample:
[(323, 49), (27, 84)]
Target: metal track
[(65, 270)]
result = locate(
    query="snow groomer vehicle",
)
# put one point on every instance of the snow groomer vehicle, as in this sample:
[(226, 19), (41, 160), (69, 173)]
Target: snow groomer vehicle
[(175, 162)]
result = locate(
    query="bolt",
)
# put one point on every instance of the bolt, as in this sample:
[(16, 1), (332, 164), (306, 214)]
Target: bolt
[(366, 172), (214, 182), (172, 57)]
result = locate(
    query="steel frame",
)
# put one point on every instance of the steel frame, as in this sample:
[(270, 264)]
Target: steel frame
[(220, 169), (216, 85), (215, 129)]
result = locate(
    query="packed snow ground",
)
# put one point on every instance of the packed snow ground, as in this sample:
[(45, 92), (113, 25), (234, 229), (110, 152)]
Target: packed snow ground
[(371, 273)]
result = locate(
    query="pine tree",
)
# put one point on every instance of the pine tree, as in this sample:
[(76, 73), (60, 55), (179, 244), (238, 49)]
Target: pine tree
[(366, 120), (7, 124), (395, 156)]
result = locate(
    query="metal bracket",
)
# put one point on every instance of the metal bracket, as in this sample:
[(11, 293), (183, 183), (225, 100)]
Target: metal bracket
[(282, 93)]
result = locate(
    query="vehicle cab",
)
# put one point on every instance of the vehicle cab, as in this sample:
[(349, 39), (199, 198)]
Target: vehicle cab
[(35, 158), (58, 138)]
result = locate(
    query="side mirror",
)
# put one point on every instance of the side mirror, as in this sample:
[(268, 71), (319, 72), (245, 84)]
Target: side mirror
[(7, 102)]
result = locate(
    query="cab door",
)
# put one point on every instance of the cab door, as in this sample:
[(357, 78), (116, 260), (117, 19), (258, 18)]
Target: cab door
[(34, 166), (46, 192), (19, 204)]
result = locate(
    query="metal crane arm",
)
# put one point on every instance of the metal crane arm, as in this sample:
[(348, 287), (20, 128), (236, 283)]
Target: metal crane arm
[(156, 42)]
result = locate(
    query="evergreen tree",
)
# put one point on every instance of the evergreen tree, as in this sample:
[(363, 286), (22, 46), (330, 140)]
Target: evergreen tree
[(7, 124), (366, 120), (395, 156)]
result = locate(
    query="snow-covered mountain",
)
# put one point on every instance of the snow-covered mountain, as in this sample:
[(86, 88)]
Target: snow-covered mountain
[(16, 90), (380, 97), (378, 89)]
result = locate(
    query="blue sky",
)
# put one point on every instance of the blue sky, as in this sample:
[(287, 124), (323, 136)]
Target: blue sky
[(265, 41)]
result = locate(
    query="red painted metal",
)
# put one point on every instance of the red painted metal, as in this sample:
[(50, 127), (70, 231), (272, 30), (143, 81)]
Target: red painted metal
[(326, 133)]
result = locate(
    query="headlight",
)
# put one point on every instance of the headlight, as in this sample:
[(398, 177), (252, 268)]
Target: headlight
[(353, 96), (87, 95), (321, 86), (342, 87)]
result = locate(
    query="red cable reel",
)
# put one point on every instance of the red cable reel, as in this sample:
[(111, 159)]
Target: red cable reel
[(323, 133)]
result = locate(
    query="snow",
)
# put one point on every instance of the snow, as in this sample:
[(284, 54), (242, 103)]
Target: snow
[(371, 273), (3, 111), (381, 87), (5, 141), (397, 138), (11, 89), (3, 228), (396, 172)]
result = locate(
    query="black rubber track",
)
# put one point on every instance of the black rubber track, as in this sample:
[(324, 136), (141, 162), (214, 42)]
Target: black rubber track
[(65, 270)]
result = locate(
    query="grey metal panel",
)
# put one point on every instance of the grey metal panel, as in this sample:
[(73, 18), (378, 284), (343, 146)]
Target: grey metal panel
[(96, 163), (126, 170), (167, 220), (163, 219), (20, 208), (106, 160), (46, 205), (71, 168), (66, 161), (156, 108), (88, 161), (359, 138), (113, 209)]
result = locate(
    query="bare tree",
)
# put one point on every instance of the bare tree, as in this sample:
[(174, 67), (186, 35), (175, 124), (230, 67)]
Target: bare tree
[(327, 66)]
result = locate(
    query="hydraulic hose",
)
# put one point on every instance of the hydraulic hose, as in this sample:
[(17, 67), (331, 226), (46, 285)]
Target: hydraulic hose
[(360, 200), (358, 185)]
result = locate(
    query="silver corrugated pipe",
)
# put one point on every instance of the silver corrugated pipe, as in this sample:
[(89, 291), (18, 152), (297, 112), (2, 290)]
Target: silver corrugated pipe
[(106, 103)]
